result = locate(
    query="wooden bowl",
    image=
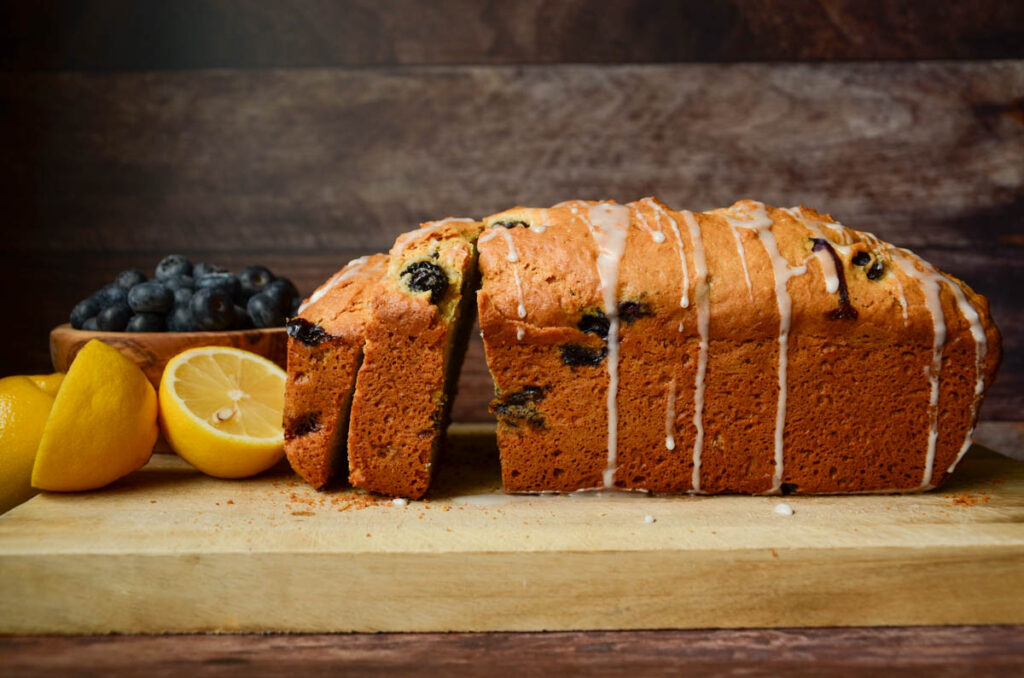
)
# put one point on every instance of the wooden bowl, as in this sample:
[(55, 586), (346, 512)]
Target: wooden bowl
[(152, 350)]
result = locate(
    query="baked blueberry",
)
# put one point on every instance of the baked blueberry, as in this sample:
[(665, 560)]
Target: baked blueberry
[(172, 265), (113, 318), (789, 488), (130, 278), (264, 311), (212, 309), (180, 320), (91, 325), (861, 259), (575, 355), (594, 323), (282, 292), (83, 310), (145, 322), (182, 296), (512, 223), (150, 297), (204, 268), (629, 311), (876, 270), (426, 276), (111, 294), (306, 332), (254, 278)]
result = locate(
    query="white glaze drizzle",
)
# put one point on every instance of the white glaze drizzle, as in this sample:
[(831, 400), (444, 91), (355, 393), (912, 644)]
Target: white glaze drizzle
[(684, 301), (608, 224), (670, 416), (702, 293), (349, 270), (758, 220), (734, 227), (657, 235), (520, 333), (931, 289), (512, 257)]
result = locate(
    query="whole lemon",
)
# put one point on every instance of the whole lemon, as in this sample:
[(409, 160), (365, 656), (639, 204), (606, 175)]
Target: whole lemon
[(103, 424), (24, 407)]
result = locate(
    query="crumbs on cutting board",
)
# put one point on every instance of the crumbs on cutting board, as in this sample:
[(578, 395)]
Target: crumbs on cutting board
[(966, 499)]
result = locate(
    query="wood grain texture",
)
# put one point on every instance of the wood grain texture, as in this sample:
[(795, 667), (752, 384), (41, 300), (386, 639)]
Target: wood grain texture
[(126, 35), (977, 651), (272, 554), (304, 170)]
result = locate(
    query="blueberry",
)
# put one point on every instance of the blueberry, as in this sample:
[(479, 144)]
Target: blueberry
[(306, 332), (511, 224), (282, 292), (203, 268), (150, 297), (426, 276), (145, 322), (575, 355), (789, 488), (254, 278), (629, 311), (91, 325), (212, 309), (130, 278), (84, 310), (177, 282), (172, 265), (876, 270), (114, 318), (242, 319), (861, 259), (294, 310), (225, 283), (180, 320), (182, 296), (264, 311), (111, 295), (594, 323)]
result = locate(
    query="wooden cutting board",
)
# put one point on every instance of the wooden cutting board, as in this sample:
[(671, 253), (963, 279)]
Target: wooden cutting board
[(170, 550)]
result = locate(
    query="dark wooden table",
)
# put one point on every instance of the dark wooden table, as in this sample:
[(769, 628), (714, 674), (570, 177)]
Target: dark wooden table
[(301, 134)]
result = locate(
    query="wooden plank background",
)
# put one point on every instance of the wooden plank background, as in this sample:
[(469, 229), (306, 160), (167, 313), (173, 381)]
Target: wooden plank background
[(303, 134)]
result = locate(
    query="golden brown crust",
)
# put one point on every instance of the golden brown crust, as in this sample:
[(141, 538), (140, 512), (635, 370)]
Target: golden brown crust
[(322, 362), (401, 401), (847, 362)]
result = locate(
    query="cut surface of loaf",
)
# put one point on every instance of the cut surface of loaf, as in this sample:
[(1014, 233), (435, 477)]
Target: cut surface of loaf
[(421, 315), (744, 350), (325, 349)]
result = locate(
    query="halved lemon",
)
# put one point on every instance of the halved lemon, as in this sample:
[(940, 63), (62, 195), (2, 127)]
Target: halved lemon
[(221, 410)]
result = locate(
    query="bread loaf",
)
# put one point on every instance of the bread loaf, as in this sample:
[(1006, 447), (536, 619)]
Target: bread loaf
[(750, 350)]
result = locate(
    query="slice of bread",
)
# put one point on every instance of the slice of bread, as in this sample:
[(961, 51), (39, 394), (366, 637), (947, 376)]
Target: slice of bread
[(325, 349), (416, 339)]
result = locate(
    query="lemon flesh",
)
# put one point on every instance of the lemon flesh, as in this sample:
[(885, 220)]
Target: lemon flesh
[(102, 425), (24, 407), (221, 410)]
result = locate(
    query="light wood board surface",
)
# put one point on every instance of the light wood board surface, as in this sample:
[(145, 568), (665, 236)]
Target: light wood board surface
[(170, 550)]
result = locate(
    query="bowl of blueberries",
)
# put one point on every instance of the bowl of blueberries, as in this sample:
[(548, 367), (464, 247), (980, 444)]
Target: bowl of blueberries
[(183, 305)]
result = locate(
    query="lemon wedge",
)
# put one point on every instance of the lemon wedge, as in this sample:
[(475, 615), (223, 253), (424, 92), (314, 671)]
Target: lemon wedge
[(221, 410), (24, 407), (102, 425)]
